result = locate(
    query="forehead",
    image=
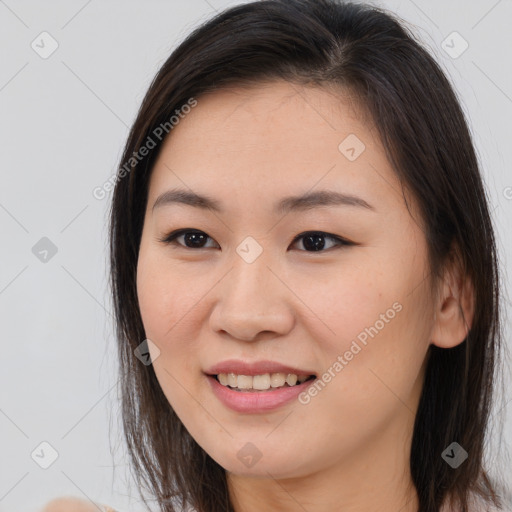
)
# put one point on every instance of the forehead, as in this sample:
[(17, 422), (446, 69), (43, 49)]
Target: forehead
[(271, 139)]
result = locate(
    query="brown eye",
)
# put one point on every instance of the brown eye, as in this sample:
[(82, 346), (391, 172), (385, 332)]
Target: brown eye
[(314, 241), (192, 239)]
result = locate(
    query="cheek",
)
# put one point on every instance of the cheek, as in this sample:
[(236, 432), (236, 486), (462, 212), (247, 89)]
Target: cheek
[(377, 320), (166, 302), (151, 293), (166, 297), (353, 304), (158, 317)]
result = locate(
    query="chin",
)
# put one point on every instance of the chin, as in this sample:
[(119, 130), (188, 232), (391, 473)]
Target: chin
[(249, 462)]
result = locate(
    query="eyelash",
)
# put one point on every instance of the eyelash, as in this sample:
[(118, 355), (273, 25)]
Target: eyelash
[(171, 239)]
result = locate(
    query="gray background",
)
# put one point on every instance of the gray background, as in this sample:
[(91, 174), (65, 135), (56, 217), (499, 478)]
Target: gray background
[(63, 123)]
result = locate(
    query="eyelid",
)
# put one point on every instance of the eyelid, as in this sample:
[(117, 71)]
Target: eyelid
[(171, 237)]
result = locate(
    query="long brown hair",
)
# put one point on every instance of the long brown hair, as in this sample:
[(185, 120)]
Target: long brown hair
[(423, 129)]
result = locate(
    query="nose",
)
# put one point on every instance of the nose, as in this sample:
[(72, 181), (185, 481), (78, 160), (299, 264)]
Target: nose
[(252, 302)]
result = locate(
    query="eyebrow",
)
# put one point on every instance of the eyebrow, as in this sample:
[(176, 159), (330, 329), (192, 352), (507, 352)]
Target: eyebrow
[(307, 201)]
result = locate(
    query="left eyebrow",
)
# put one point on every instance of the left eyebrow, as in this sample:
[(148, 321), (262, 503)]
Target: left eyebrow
[(319, 199), (307, 201)]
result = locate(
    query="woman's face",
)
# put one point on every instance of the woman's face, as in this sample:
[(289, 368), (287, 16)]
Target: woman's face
[(242, 294)]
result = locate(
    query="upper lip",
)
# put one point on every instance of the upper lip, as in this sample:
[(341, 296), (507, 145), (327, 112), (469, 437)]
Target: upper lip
[(240, 367)]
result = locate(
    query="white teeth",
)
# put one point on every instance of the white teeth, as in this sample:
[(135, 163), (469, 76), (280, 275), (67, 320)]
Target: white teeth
[(291, 379), (277, 380), (232, 379), (244, 382), (260, 382)]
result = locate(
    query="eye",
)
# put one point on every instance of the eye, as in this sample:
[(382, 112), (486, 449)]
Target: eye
[(193, 237), (313, 241)]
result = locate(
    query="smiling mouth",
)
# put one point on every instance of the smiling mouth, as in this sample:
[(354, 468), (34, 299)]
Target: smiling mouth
[(264, 382)]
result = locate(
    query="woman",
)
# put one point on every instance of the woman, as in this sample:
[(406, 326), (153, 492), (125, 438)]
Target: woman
[(304, 272)]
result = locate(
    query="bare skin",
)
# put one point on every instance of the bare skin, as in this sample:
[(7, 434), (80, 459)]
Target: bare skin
[(348, 448), (69, 504)]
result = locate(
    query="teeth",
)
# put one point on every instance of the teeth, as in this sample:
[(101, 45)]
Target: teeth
[(232, 380), (260, 382), (244, 382), (291, 379), (277, 380)]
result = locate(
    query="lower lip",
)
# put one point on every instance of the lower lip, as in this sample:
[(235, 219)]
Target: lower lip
[(256, 401)]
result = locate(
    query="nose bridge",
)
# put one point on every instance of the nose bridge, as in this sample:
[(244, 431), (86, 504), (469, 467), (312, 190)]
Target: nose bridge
[(250, 272), (250, 280)]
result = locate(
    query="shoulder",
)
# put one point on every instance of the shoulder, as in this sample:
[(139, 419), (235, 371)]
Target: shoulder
[(71, 504)]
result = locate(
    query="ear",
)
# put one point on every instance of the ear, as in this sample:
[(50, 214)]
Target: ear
[(454, 307)]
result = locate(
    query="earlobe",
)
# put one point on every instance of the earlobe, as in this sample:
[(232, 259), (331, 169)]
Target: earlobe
[(454, 309)]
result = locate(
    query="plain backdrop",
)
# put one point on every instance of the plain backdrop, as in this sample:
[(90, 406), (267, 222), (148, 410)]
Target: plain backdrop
[(64, 119)]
